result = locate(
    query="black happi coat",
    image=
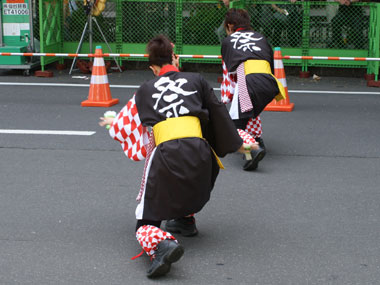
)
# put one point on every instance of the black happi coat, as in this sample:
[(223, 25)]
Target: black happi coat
[(182, 172), (242, 46)]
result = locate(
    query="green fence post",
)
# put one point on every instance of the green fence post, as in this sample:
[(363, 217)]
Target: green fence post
[(374, 39), (178, 28), (42, 36), (371, 38), (119, 29), (377, 40), (60, 35), (305, 33)]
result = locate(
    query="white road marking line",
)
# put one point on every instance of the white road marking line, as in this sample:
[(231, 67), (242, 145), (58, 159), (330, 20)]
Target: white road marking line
[(47, 132), (216, 89)]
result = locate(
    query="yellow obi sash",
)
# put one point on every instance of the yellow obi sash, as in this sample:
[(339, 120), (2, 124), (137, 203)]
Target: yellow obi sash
[(262, 66), (178, 128)]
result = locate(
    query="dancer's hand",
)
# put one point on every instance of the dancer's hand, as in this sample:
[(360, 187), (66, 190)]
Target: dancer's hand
[(105, 121), (246, 148), (175, 60)]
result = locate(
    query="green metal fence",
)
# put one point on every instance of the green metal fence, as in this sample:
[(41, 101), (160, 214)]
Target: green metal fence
[(50, 28), (195, 26)]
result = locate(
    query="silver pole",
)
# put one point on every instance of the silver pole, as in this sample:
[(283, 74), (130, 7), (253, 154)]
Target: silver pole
[(104, 38), (90, 31), (79, 47)]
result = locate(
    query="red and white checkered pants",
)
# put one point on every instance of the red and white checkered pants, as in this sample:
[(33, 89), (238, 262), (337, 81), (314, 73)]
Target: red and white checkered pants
[(252, 130)]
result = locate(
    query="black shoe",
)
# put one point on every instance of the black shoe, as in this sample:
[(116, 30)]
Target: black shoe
[(261, 144), (168, 251), (257, 155), (185, 226)]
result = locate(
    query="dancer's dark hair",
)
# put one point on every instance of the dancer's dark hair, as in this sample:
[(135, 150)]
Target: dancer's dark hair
[(160, 51), (239, 18)]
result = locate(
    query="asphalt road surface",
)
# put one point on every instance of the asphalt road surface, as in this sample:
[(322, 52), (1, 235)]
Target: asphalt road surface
[(309, 215)]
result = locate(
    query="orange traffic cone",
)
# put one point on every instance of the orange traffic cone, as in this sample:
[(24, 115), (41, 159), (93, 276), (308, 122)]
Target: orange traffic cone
[(100, 93), (279, 72)]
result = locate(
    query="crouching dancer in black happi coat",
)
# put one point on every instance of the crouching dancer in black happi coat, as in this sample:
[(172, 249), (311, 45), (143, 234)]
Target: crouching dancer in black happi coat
[(248, 80), (190, 128)]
